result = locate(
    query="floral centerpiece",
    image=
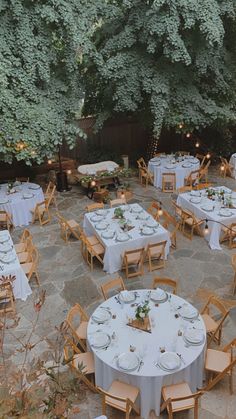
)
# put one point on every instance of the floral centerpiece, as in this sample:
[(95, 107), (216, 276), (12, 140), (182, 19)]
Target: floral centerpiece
[(119, 213), (142, 311), (10, 187)]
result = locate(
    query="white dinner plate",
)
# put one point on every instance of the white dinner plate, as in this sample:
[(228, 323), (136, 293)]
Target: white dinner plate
[(109, 234), (194, 336), (102, 212), (157, 163), (207, 208), (195, 200), (170, 166), (34, 187), (127, 296), (96, 218), (28, 195), (155, 159), (4, 237), (188, 312), (186, 165), (152, 223), (169, 361), (101, 315), (136, 209), (3, 201), (224, 212), (158, 295), (101, 226), (195, 193), (7, 258), (100, 339), (128, 361), (143, 216), (6, 247), (122, 237), (147, 231)]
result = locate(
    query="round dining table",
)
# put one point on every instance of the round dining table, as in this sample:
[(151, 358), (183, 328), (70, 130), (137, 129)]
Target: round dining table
[(232, 162), (171, 351), (21, 201), (182, 166)]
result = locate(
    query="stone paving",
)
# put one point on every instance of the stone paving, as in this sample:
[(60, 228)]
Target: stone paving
[(66, 278)]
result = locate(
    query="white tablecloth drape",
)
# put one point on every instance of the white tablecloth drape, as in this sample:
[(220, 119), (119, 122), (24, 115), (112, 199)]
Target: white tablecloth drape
[(215, 221), (20, 285), (232, 162), (114, 250), (20, 203), (165, 328), (92, 169), (167, 164)]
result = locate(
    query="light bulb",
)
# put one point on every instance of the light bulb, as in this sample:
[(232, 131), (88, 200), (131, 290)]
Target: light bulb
[(188, 135), (206, 228), (160, 212), (49, 161), (181, 126), (69, 172), (93, 183), (208, 155), (197, 144), (122, 195), (222, 168)]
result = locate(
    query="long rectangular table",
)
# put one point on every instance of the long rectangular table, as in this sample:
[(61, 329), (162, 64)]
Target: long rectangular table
[(114, 250), (215, 220), (20, 285)]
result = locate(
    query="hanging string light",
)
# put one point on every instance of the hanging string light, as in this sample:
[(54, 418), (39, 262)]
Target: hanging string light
[(188, 135), (93, 183), (208, 155), (197, 144)]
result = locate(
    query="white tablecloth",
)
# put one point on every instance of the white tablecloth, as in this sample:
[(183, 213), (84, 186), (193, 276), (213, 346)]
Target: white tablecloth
[(149, 378), (21, 288), (167, 164), (216, 221), (114, 250), (232, 162), (18, 204), (92, 169)]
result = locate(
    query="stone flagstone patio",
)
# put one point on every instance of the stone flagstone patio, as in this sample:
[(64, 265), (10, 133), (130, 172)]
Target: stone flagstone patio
[(66, 278)]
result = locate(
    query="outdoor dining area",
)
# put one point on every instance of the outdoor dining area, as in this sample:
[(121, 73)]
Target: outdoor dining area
[(144, 346)]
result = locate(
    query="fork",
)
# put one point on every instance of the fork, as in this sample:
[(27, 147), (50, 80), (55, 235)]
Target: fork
[(140, 365), (181, 358)]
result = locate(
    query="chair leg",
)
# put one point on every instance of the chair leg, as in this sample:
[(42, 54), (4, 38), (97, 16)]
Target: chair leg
[(234, 284), (196, 409)]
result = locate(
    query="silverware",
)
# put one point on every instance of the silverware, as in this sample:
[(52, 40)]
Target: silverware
[(181, 358), (140, 365), (117, 300)]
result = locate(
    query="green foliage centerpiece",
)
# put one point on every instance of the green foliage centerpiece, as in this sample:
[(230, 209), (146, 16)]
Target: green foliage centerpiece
[(141, 320), (142, 311), (119, 213)]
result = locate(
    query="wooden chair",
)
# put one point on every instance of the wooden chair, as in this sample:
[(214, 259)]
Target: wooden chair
[(77, 321), (146, 176), (50, 196), (178, 398), (190, 224), (173, 233), (121, 396), (177, 212), (227, 168), (154, 209), (229, 235), (22, 179), (95, 206), (26, 256), (92, 251), (118, 201), (7, 301), (184, 189), (133, 259), (216, 361), (116, 284), (21, 246), (168, 182), (50, 187), (193, 178), (201, 157), (203, 174), (184, 153), (68, 228), (233, 261), (6, 220), (157, 282), (204, 185), (156, 251), (40, 212), (141, 165), (31, 268), (214, 314)]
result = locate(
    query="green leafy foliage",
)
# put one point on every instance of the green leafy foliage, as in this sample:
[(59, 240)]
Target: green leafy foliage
[(40, 85), (169, 61)]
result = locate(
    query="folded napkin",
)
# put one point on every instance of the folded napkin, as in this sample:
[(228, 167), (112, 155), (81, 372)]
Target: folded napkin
[(188, 311), (169, 360), (100, 315), (125, 295), (128, 361), (99, 339), (158, 294), (194, 335)]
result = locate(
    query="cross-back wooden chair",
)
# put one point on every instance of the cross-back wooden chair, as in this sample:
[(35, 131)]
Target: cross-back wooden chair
[(68, 228), (50, 196), (133, 259), (190, 224), (77, 321), (216, 361), (177, 212), (233, 261), (22, 179), (172, 232), (168, 182), (118, 201), (81, 363), (146, 177), (204, 185), (21, 246), (26, 256), (116, 284), (6, 220), (202, 159), (178, 398), (214, 314), (95, 206), (184, 189), (50, 187), (141, 166), (229, 234), (41, 213), (7, 301), (227, 168), (121, 396), (156, 252), (31, 268), (166, 282), (203, 174), (193, 178), (154, 209), (92, 251)]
